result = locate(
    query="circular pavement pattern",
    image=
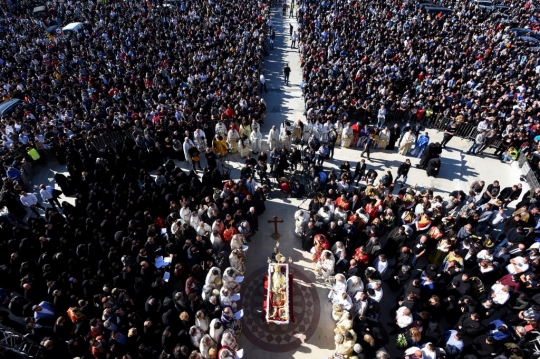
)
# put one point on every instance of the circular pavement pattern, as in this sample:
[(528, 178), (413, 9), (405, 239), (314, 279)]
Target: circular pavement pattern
[(279, 338)]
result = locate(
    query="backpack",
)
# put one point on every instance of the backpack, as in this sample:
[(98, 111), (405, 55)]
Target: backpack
[(385, 180)]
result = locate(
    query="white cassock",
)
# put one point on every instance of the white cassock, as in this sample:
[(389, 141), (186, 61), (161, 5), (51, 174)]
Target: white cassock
[(273, 139), (326, 264), (284, 139), (353, 286), (243, 147), (338, 287), (237, 241), (211, 278), (216, 240), (345, 304), (301, 219), (232, 140), (228, 339), (202, 229), (185, 214), (221, 129), (256, 141), (346, 136), (325, 216), (317, 131), (205, 348), (339, 132), (199, 139)]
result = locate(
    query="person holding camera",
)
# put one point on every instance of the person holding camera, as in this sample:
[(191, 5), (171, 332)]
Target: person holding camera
[(246, 171), (261, 170), (323, 154)]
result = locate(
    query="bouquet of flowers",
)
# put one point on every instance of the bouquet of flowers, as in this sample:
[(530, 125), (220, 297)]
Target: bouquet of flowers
[(401, 341)]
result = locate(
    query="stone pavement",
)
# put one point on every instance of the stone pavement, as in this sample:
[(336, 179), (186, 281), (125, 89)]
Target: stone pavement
[(312, 333)]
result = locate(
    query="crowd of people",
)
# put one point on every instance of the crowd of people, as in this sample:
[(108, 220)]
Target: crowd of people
[(375, 62), (464, 268), (141, 266)]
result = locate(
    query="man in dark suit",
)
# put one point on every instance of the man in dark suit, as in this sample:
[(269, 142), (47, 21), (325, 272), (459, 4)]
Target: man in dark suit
[(342, 264), (359, 171), (353, 269), (354, 203), (307, 239)]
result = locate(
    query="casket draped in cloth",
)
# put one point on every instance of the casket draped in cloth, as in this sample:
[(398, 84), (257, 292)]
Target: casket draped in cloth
[(278, 309)]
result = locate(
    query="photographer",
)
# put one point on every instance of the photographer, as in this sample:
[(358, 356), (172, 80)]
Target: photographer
[(274, 156), (323, 154), (246, 171), (295, 157)]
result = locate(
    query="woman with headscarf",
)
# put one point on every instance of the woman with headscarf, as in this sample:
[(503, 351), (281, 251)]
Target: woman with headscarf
[(229, 279), (237, 259), (202, 321), (207, 345)]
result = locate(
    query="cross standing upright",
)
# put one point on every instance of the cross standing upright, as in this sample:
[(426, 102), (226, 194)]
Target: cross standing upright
[(275, 220)]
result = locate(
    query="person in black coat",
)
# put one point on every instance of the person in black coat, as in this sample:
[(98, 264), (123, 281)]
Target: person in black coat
[(359, 171), (509, 194), (395, 133), (342, 263), (432, 151), (396, 240), (403, 170), (485, 346), (433, 167), (469, 324), (309, 236), (353, 270)]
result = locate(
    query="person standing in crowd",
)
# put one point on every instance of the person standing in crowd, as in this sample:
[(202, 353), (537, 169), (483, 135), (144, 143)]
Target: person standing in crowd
[(478, 141), (29, 200), (294, 38), (262, 83), (48, 195), (449, 132), (286, 73), (403, 170), (408, 141)]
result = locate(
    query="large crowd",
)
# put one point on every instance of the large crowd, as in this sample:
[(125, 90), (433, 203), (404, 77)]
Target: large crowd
[(146, 266), (464, 268), (141, 266)]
